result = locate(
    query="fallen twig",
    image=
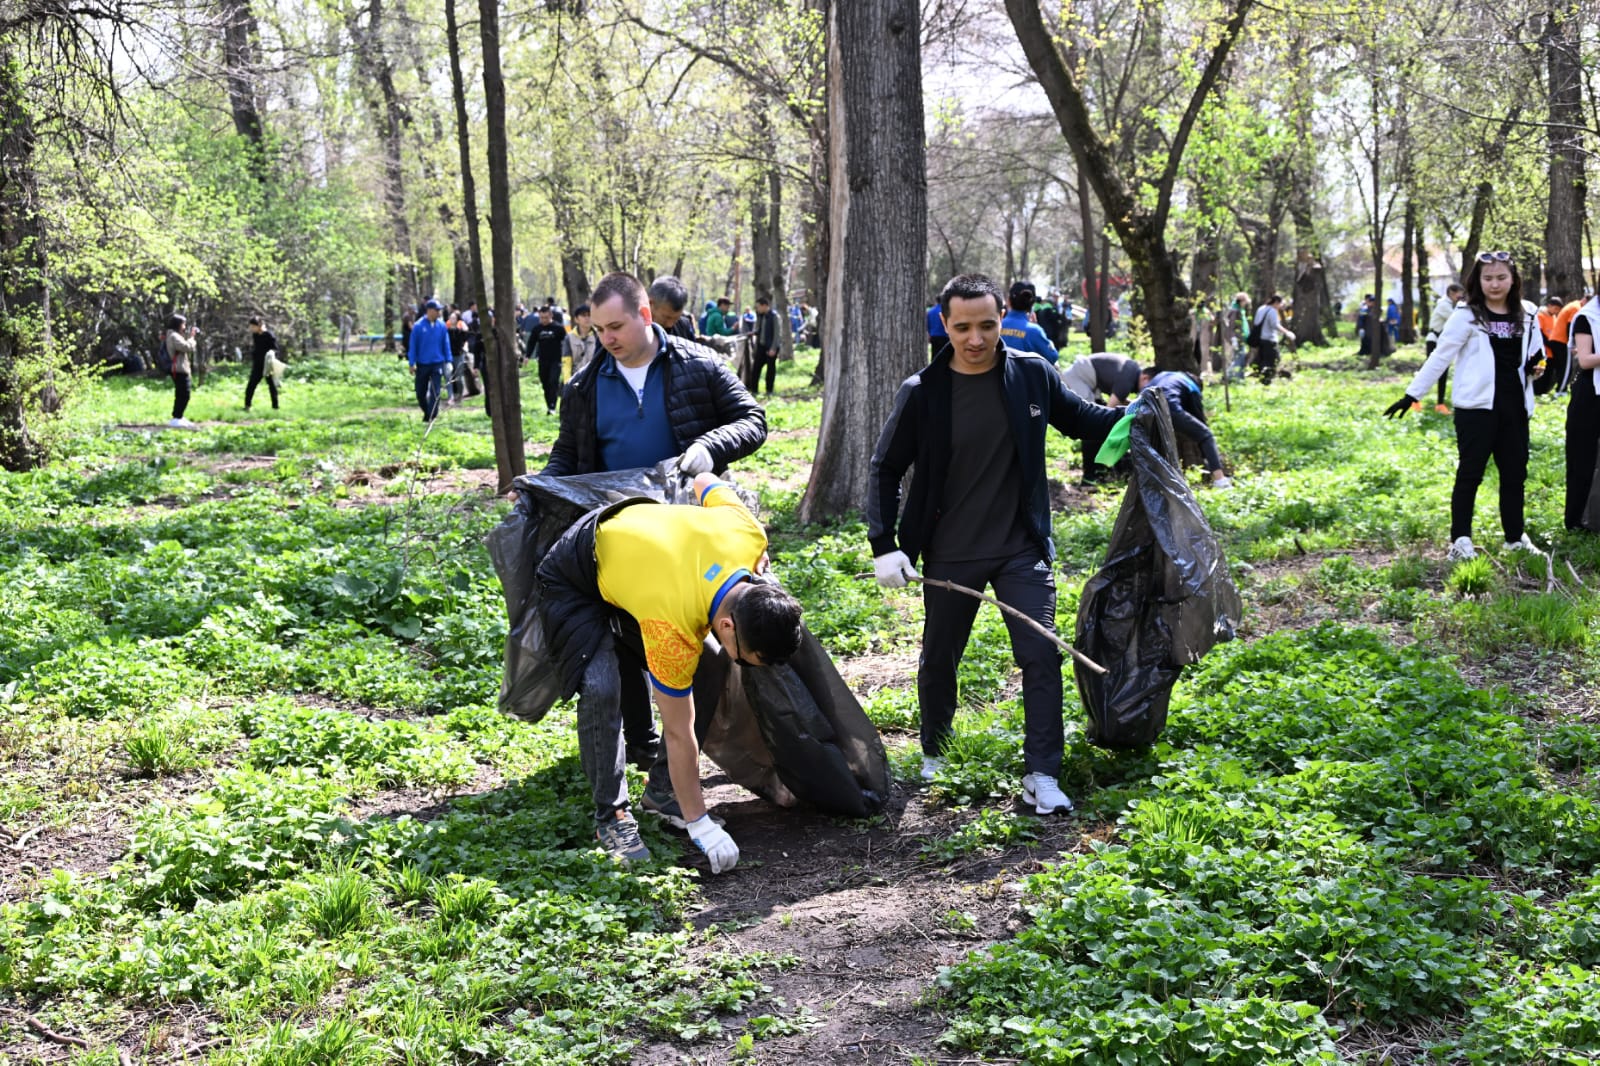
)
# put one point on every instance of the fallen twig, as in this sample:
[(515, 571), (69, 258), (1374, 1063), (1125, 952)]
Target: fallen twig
[(1571, 570), (36, 1026), (1043, 631), (22, 841)]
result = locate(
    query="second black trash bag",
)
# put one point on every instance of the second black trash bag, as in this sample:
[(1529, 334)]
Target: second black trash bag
[(1163, 597)]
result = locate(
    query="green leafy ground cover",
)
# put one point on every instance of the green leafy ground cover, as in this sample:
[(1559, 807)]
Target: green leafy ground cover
[(265, 654)]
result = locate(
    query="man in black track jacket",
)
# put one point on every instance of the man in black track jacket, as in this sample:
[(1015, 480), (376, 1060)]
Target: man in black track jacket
[(978, 512)]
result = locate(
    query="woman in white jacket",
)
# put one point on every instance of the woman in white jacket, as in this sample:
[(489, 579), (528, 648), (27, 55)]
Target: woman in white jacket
[(1583, 420), (1498, 350)]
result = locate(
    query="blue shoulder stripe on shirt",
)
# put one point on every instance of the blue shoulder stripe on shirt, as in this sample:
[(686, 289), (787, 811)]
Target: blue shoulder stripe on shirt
[(716, 601)]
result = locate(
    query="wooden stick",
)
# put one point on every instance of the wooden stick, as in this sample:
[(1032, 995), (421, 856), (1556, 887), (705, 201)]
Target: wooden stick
[(1044, 631), (50, 1034)]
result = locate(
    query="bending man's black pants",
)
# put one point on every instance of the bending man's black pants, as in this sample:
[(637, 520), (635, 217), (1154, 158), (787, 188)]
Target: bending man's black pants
[(1026, 582)]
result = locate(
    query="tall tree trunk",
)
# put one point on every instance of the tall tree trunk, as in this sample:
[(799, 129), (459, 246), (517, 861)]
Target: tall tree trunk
[(495, 382), (391, 294), (1309, 277), (767, 249), (1092, 296), (1010, 239), (1375, 326), (500, 348), (239, 68), (1419, 243), (1482, 197), (389, 115), (877, 173), (1408, 303), (24, 311), (1564, 221)]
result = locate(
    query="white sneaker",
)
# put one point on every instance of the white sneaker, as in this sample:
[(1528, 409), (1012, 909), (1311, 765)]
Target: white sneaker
[(1523, 545), (176, 423), (1044, 794), (931, 766), (1223, 482), (1461, 550)]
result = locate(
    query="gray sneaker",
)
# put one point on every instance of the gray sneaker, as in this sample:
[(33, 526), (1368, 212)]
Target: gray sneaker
[(620, 837), (664, 805)]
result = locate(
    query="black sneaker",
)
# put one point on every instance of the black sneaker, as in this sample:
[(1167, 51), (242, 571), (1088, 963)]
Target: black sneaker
[(620, 837), (664, 805)]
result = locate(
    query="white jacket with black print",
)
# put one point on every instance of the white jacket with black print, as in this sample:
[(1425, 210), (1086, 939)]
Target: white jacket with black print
[(1466, 344), (1591, 311)]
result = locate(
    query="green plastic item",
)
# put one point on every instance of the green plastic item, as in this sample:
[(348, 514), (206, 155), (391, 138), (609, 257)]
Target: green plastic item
[(1116, 445)]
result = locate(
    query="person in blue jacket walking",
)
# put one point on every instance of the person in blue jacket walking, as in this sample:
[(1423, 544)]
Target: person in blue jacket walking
[(1018, 331), (428, 354)]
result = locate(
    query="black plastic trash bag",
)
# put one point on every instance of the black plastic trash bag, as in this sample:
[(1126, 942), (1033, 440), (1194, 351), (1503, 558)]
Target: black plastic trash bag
[(788, 733), (546, 506), (1162, 599)]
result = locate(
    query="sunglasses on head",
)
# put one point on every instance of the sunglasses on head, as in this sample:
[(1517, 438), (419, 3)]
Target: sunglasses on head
[(1494, 257)]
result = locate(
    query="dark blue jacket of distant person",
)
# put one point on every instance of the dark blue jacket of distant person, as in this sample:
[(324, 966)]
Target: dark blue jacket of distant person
[(429, 344), (1024, 335)]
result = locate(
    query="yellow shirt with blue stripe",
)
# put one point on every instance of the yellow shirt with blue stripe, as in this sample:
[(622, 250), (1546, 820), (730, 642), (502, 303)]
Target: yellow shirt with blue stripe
[(670, 567)]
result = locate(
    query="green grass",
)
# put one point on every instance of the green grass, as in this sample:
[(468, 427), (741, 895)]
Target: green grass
[(295, 648)]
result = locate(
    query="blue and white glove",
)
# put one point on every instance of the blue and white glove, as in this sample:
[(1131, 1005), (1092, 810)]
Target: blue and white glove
[(712, 839)]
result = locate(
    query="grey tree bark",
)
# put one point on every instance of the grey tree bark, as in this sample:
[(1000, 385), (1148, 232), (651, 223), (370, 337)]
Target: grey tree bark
[(878, 231), (1564, 221)]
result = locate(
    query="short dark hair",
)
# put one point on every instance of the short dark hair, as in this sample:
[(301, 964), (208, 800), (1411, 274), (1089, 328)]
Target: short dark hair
[(1454, 286), (768, 622), (255, 320), (670, 291), (1275, 298), (177, 322), (618, 284), (723, 300), (970, 287), (763, 300)]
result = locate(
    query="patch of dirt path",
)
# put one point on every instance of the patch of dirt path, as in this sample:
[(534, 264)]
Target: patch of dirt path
[(870, 919)]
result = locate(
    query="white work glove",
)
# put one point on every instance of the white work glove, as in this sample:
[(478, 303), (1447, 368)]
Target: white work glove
[(712, 839), (696, 459), (893, 570)]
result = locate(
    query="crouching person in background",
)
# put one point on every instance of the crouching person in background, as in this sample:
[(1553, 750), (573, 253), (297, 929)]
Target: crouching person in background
[(640, 582)]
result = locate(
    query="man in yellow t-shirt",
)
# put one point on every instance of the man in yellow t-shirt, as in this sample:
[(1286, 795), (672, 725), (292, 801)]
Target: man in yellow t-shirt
[(664, 578)]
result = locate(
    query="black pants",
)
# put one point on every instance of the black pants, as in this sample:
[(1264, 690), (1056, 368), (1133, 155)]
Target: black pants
[(258, 371), (1554, 369), (1583, 446), (180, 394), (1266, 365), (430, 379), (753, 367), (1026, 582), (550, 380), (1444, 379), (1501, 433)]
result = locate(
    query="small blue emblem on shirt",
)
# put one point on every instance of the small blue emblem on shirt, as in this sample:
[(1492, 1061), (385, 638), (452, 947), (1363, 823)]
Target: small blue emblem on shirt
[(716, 568)]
